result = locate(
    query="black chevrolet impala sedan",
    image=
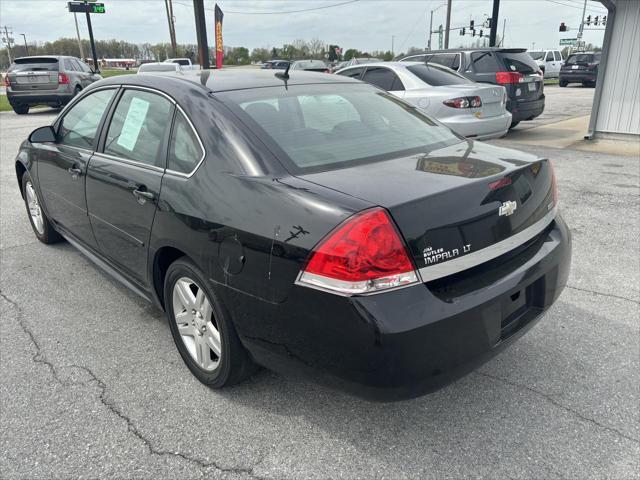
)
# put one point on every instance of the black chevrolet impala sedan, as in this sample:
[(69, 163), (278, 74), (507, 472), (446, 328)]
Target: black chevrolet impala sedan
[(304, 222)]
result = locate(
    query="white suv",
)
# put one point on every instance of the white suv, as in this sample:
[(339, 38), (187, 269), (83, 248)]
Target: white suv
[(549, 61)]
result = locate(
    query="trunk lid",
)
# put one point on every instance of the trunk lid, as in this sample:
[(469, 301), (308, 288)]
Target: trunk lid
[(34, 73), (447, 203), (492, 96), (531, 87)]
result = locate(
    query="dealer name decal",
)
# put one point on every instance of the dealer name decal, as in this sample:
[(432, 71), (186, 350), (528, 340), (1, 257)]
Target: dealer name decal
[(432, 255)]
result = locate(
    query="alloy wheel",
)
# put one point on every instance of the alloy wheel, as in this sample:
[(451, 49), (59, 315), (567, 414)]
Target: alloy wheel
[(34, 208), (196, 323)]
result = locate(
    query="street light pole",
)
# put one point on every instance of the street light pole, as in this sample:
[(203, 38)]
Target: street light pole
[(581, 29), (431, 25), (26, 48), (75, 17), (448, 27), (393, 37)]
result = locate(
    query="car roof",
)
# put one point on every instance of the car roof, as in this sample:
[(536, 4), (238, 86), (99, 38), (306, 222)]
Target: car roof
[(225, 79), (458, 50)]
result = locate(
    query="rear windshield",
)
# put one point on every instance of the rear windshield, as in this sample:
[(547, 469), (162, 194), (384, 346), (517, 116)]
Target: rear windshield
[(167, 67), (34, 64), (582, 58), (437, 76), (184, 62), (518, 62), (324, 127), (310, 64), (537, 55)]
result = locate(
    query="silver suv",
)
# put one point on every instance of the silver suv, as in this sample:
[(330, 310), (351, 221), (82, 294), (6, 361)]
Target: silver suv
[(46, 80)]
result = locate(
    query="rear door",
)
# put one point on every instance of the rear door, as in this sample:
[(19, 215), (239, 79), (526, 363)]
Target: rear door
[(62, 167), (384, 78), (531, 87), (124, 178), (34, 74)]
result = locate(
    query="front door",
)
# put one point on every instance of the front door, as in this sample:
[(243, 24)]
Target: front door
[(62, 166), (124, 178)]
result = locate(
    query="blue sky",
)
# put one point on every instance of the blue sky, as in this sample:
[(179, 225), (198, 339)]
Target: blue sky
[(362, 24)]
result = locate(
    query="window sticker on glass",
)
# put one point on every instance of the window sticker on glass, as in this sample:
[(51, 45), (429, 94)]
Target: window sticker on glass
[(133, 123)]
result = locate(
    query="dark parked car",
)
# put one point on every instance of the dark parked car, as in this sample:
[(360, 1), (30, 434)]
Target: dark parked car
[(46, 80), (308, 224), (275, 64), (513, 68), (580, 68)]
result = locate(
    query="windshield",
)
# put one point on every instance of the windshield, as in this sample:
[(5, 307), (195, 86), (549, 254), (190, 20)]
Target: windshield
[(324, 127), (309, 64), (437, 76), (34, 64), (518, 62), (537, 55)]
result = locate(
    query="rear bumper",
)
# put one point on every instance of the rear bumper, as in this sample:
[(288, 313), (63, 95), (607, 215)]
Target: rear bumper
[(411, 341), (60, 96), (525, 109), (578, 77), (480, 128)]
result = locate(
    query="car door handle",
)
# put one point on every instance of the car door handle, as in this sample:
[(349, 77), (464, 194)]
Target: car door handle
[(74, 171), (142, 194)]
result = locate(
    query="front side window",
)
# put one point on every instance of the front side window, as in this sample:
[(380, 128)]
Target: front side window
[(185, 151), (80, 124), (558, 56), (138, 127), (324, 127)]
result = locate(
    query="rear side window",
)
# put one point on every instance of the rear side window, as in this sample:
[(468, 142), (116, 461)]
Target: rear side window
[(447, 60), (549, 57), (138, 127), (518, 62), (484, 62), (34, 64), (80, 124), (437, 77), (185, 151), (352, 72), (68, 65), (558, 56), (383, 78)]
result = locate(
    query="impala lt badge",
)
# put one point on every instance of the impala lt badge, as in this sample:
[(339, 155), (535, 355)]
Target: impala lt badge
[(507, 208)]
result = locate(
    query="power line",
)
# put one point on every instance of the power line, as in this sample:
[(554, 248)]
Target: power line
[(572, 6), (412, 29), (280, 11)]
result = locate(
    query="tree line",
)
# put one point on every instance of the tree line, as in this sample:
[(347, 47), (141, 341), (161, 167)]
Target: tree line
[(298, 49)]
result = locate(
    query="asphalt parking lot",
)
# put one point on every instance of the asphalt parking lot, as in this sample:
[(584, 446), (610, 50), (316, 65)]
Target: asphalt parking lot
[(91, 384)]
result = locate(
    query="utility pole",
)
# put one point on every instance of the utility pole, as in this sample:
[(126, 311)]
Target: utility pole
[(75, 18), (172, 31), (504, 24), (201, 34), (446, 32), (96, 67), (431, 25), (26, 48), (393, 37), (7, 41), (494, 23), (580, 30)]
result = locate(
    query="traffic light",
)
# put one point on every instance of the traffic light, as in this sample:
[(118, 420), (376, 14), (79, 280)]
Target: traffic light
[(473, 32), (588, 22), (481, 33), (604, 20), (471, 24), (462, 31), (595, 21), (563, 27)]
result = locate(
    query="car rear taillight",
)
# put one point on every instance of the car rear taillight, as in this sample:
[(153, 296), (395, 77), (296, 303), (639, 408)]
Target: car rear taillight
[(464, 102), (591, 66), (554, 185), (364, 254), (63, 78), (6, 80), (504, 78)]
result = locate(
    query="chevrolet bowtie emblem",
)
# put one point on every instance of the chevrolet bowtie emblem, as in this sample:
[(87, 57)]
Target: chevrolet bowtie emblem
[(507, 208)]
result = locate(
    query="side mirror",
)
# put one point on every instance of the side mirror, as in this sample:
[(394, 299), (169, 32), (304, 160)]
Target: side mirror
[(43, 135)]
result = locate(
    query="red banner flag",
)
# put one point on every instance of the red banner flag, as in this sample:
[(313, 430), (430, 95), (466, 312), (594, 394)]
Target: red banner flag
[(219, 47)]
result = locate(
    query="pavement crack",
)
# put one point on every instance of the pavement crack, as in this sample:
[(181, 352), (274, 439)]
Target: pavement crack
[(38, 357), (553, 401), (611, 295)]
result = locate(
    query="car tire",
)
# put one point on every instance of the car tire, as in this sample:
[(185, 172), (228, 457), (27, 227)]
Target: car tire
[(513, 125), (562, 83), (21, 109), (40, 224), (202, 328)]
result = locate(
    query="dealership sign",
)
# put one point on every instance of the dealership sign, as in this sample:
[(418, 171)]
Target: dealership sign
[(83, 7)]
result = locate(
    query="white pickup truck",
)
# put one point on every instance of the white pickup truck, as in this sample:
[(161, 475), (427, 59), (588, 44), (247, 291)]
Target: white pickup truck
[(184, 63)]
